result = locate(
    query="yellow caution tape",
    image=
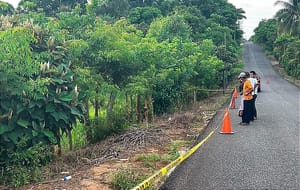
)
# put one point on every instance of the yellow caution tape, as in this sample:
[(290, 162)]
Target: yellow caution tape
[(162, 172), (147, 183)]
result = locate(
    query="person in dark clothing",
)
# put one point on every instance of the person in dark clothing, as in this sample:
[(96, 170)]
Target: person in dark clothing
[(254, 83), (247, 98)]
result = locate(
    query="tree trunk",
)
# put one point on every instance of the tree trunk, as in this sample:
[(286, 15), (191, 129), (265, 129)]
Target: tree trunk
[(195, 97), (151, 108), (96, 104), (127, 107), (111, 103), (146, 112), (138, 110), (131, 108), (70, 139), (87, 114), (58, 143)]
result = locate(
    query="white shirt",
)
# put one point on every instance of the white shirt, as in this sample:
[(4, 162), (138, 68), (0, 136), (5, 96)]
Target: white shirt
[(254, 84)]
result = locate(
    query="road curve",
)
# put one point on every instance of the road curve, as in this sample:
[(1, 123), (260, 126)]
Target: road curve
[(263, 155)]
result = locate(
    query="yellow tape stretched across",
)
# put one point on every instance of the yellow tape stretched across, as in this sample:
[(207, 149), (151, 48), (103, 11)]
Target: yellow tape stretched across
[(162, 172)]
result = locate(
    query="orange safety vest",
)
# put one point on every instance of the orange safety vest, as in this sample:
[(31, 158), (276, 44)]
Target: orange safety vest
[(247, 89)]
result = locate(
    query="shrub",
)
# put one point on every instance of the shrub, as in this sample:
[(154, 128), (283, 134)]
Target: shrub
[(101, 127), (126, 179), (24, 165)]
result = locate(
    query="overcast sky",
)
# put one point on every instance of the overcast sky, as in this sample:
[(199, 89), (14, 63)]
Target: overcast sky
[(13, 2), (256, 10)]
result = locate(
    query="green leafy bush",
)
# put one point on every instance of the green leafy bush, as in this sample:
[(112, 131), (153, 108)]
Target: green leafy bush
[(24, 165), (102, 127)]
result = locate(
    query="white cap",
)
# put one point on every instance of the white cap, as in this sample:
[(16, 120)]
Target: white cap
[(242, 75)]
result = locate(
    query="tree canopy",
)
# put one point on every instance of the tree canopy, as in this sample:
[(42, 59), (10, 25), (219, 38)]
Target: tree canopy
[(289, 17)]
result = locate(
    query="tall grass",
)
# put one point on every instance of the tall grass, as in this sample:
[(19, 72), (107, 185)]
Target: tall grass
[(79, 138)]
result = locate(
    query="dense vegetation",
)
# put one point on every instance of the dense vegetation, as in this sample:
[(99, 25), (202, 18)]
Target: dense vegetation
[(280, 36), (128, 60)]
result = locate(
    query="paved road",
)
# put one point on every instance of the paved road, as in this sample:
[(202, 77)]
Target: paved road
[(263, 155)]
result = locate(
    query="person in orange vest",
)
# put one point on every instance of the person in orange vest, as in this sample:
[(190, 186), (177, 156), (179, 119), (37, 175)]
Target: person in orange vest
[(247, 98)]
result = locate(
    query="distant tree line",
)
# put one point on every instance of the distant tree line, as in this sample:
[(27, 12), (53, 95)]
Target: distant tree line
[(280, 36)]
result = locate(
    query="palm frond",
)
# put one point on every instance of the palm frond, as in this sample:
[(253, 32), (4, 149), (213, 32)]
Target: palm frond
[(289, 16)]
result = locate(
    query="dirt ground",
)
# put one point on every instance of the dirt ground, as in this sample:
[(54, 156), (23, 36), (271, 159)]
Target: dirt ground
[(92, 167)]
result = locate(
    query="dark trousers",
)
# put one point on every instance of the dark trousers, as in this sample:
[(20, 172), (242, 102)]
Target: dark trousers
[(247, 113), (254, 113)]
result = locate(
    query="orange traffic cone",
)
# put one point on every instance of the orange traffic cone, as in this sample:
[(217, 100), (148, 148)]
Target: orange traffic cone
[(235, 93), (232, 104), (226, 126)]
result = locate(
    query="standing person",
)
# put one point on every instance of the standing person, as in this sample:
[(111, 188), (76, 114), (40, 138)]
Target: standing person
[(258, 82), (254, 83), (241, 108), (247, 98)]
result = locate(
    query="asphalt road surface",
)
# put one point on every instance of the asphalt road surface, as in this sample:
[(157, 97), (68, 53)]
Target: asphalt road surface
[(264, 155)]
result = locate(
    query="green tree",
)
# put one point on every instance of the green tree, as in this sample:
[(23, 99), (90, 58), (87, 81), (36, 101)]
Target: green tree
[(222, 13), (266, 33), (169, 28), (6, 9), (17, 63), (145, 3), (112, 54), (289, 17), (206, 67), (75, 22), (49, 7), (143, 16), (112, 8), (38, 99), (194, 18), (286, 50)]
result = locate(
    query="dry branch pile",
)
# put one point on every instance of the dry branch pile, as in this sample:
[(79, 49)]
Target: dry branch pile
[(137, 137), (185, 120), (133, 140)]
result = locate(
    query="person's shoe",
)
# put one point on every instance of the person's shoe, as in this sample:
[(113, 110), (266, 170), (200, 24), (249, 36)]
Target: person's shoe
[(242, 123)]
